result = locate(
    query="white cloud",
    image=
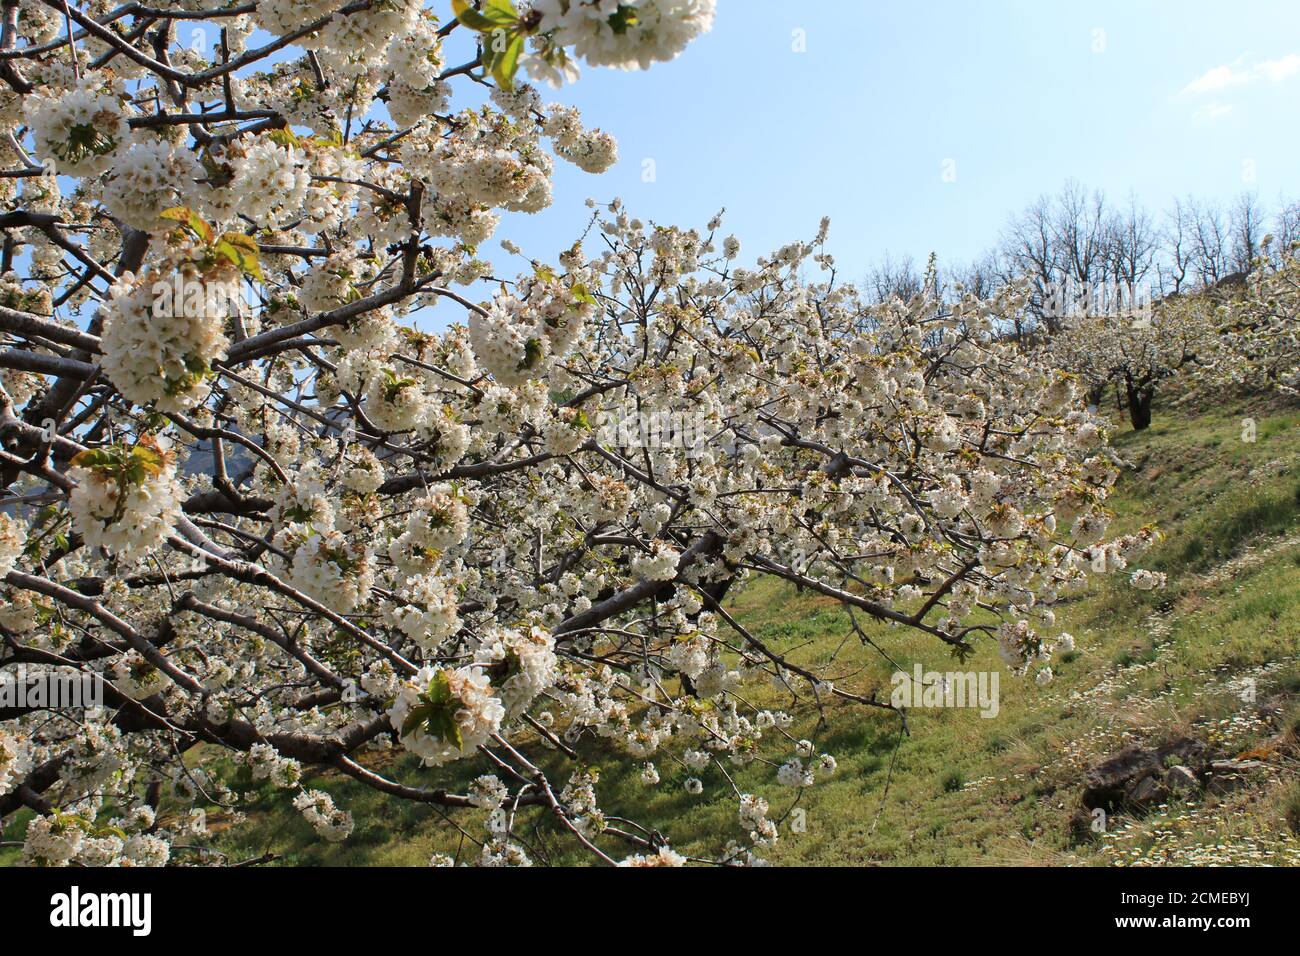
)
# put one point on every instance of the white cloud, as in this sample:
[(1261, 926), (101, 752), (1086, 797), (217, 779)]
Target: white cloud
[(1278, 70), (1212, 111), (1216, 80), (1243, 73)]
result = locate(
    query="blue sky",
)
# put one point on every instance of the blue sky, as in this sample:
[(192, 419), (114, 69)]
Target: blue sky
[(1157, 98)]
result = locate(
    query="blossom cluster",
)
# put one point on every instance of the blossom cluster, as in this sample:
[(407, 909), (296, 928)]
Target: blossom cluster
[(125, 504)]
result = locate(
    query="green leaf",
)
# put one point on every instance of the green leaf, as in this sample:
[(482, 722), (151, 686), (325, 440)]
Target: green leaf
[(415, 719), (506, 64), (436, 715), (532, 354), (443, 726), (439, 689), (93, 458), (142, 463), (493, 14), (284, 137), (393, 385), (501, 8), (130, 466), (190, 218), (623, 19), (335, 137), (241, 251), (503, 40), (148, 458)]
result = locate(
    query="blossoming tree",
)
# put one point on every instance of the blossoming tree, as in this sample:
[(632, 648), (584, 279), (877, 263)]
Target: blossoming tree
[(275, 519), (1257, 334), (1192, 344), (1135, 353)]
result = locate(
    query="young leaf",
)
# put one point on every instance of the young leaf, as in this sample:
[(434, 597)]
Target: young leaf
[(506, 64), (501, 9), (92, 458), (284, 137), (188, 217), (436, 714), (415, 719), (241, 251), (148, 459), (532, 354), (494, 14)]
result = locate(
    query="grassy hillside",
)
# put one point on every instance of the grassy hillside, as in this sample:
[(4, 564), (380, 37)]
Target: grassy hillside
[(961, 789)]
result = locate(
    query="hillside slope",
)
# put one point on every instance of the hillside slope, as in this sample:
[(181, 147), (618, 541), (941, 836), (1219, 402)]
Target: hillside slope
[(1214, 658)]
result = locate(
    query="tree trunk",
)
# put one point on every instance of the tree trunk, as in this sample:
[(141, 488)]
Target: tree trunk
[(1139, 406)]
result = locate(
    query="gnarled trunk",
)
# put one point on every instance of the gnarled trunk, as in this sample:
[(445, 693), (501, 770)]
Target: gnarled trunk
[(1139, 405)]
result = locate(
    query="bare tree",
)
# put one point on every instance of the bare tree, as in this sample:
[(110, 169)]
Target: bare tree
[(1079, 226), (1246, 225), (1211, 242), (982, 277), (894, 278), (1286, 226), (1179, 246), (1132, 242), (1029, 248)]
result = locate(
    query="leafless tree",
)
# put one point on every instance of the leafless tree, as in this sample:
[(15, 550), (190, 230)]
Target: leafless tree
[(1178, 247), (1246, 222), (983, 276), (1029, 247), (1132, 241), (1079, 227), (1286, 226), (894, 278), (1211, 241)]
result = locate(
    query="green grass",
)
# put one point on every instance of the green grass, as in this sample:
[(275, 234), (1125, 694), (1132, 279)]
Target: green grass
[(965, 789)]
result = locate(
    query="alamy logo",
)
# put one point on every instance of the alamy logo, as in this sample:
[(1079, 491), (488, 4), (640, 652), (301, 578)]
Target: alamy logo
[(974, 689), (1073, 299), (51, 690), (75, 909), (627, 427)]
